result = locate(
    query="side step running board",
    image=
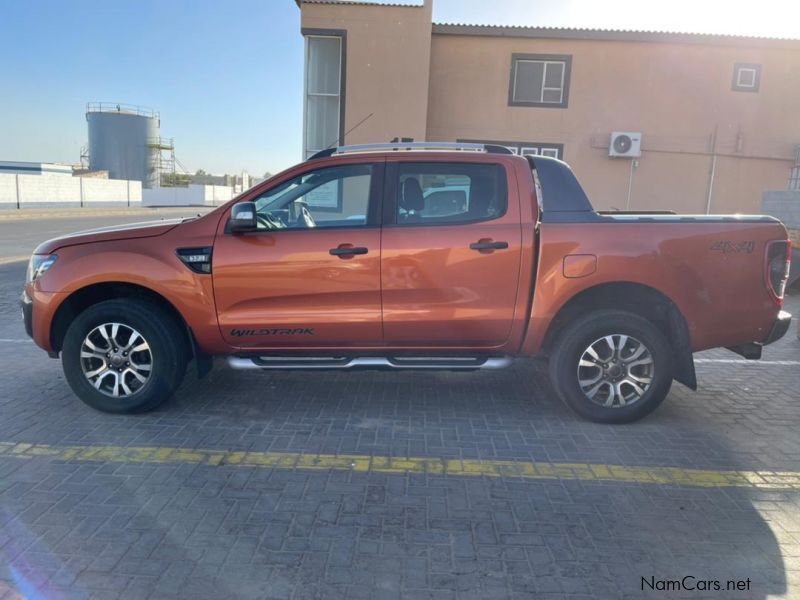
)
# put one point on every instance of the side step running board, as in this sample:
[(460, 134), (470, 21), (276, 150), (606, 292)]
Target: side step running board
[(386, 362)]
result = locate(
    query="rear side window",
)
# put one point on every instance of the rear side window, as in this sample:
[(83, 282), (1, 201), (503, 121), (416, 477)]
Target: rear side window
[(442, 193)]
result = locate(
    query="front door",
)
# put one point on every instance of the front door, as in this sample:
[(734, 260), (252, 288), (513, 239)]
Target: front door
[(310, 276), (451, 254)]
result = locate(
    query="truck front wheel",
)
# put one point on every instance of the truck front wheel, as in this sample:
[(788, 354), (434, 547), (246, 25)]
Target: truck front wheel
[(124, 355), (611, 366)]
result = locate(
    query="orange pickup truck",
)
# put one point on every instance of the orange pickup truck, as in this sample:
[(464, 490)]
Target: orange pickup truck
[(411, 256)]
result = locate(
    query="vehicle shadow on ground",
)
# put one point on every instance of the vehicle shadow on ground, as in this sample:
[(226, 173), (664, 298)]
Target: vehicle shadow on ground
[(611, 532)]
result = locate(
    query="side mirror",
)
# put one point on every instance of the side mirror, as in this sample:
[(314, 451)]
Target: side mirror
[(243, 217)]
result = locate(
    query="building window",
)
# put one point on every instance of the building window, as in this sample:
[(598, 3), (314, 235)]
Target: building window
[(550, 151), (526, 148), (324, 76), (746, 77), (539, 80)]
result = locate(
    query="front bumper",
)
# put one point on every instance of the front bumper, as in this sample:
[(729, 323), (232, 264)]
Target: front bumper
[(38, 310), (779, 328), (27, 313)]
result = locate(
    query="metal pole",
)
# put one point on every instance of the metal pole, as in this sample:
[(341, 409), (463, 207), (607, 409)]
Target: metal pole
[(16, 178), (713, 169), (711, 183), (630, 184)]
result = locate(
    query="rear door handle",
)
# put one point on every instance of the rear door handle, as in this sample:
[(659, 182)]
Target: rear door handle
[(488, 245), (345, 250)]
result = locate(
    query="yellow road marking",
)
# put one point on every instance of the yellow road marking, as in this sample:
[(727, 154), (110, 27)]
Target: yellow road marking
[(535, 470)]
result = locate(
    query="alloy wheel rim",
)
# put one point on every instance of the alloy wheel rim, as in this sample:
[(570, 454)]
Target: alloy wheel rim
[(116, 359), (616, 371)]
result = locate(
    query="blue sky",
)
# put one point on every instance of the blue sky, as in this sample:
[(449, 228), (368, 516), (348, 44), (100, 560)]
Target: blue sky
[(227, 76)]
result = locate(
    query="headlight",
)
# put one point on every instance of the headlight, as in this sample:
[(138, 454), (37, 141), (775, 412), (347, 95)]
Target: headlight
[(39, 265)]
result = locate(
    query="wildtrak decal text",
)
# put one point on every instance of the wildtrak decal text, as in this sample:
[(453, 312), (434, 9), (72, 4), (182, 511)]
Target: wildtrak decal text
[(251, 332)]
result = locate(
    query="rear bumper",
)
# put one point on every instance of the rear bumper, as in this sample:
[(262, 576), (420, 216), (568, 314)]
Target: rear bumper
[(752, 350), (779, 328)]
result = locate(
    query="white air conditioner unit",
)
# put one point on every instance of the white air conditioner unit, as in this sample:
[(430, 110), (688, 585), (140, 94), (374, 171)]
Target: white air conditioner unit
[(625, 144)]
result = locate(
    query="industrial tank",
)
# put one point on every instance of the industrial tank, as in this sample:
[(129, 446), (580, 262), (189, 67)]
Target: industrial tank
[(123, 140)]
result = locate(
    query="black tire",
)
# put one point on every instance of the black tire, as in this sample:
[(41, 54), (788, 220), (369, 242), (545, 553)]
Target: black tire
[(167, 355), (583, 333)]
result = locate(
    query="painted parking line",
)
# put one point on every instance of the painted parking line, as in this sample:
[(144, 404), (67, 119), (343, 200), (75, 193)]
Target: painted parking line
[(534, 470), (15, 341), (742, 361), (7, 260)]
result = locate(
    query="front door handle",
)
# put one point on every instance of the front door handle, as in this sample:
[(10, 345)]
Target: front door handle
[(347, 250), (484, 245)]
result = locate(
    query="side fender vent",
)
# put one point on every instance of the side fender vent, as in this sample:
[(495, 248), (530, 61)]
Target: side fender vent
[(197, 259)]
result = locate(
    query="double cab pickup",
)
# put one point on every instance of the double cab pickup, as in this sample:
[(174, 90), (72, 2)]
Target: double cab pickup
[(411, 256)]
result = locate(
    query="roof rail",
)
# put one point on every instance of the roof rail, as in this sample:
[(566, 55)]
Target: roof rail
[(412, 147)]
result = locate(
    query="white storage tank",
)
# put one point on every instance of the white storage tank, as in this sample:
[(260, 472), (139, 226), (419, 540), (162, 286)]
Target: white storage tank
[(123, 140)]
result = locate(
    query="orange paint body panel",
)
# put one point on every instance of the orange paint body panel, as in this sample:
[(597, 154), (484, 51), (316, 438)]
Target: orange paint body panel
[(287, 280), (705, 285), (438, 293), (418, 288), (148, 261)]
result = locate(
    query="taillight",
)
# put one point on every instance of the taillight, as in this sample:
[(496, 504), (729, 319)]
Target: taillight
[(778, 260)]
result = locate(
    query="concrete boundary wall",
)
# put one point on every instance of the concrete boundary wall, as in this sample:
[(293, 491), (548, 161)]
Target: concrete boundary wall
[(32, 191), (192, 195)]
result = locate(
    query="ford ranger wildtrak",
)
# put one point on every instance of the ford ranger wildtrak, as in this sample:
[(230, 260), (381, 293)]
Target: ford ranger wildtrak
[(411, 256)]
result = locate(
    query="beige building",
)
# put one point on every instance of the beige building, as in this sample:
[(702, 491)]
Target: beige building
[(711, 121)]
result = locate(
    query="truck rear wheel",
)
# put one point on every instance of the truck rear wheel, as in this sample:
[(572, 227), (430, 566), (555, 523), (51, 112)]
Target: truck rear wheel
[(124, 355), (612, 366)]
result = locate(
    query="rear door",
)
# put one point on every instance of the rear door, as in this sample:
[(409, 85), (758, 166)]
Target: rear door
[(310, 276), (450, 253)]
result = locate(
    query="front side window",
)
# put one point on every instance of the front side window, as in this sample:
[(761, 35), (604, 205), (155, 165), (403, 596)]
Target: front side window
[(330, 197), (323, 85), (539, 80), (746, 77), (443, 193)]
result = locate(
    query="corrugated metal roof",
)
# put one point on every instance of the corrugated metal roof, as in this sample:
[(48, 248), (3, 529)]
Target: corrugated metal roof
[(581, 33), (359, 3), (631, 35)]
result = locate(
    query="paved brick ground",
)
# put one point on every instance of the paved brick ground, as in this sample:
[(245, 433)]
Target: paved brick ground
[(107, 529)]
